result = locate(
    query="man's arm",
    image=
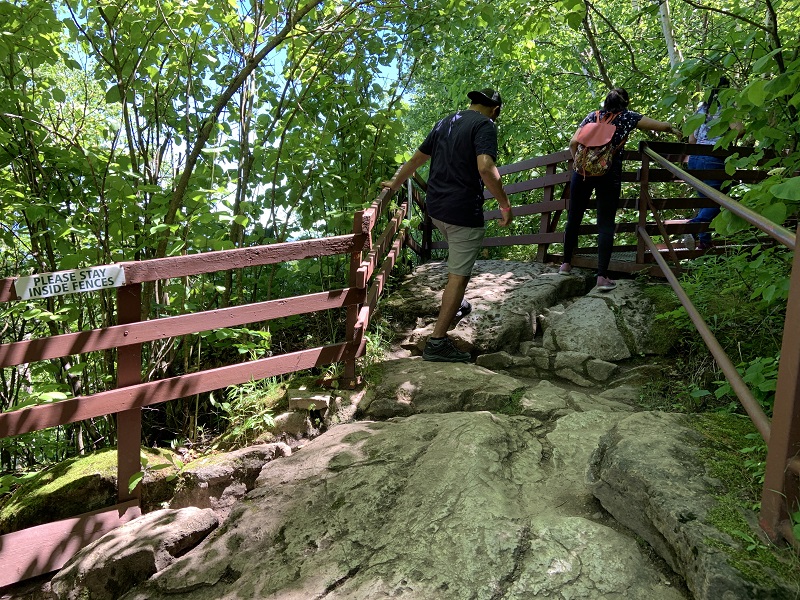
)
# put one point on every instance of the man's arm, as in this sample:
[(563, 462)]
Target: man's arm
[(573, 143), (406, 171), (491, 178)]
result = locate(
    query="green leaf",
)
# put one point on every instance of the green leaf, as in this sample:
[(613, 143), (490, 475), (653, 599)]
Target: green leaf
[(760, 64), (756, 93), (159, 466), (113, 95), (775, 212), (787, 190), (58, 95), (134, 480)]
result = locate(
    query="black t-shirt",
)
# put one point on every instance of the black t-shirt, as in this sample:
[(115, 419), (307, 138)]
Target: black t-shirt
[(455, 187)]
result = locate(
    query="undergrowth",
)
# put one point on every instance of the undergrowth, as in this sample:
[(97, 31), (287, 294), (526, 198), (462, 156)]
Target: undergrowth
[(742, 297)]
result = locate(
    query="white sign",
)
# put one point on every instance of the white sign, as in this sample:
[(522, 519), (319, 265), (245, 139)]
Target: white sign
[(69, 282)]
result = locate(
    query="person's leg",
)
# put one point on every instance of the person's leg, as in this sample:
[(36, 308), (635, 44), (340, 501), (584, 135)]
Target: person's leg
[(579, 192), (451, 302), (708, 214), (464, 243), (607, 194)]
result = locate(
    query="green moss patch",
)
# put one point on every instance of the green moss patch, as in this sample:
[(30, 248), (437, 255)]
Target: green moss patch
[(725, 438), (73, 487), (663, 335)]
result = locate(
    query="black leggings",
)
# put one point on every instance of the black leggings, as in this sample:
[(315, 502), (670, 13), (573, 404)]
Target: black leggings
[(607, 190)]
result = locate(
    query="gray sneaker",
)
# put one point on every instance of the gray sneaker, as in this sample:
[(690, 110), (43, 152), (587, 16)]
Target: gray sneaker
[(689, 241), (443, 350)]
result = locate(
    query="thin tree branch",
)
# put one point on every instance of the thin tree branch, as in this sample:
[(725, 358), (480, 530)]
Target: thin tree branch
[(721, 11), (622, 39), (219, 106)]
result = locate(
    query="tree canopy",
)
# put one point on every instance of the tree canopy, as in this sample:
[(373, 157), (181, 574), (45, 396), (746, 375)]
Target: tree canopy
[(133, 129)]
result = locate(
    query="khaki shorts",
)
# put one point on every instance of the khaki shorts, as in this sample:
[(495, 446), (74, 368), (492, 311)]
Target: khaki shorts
[(463, 243)]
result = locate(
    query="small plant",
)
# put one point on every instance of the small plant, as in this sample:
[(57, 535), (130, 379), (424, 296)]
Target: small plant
[(796, 525), (761, 377), (173, 461), (755, 457), (246, 411)]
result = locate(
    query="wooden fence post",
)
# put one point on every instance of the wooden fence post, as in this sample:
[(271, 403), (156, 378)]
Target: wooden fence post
[(546, 224), (129, 372), (353, 310)]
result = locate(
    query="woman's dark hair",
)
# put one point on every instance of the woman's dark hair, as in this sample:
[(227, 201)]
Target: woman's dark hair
[(616, 100)]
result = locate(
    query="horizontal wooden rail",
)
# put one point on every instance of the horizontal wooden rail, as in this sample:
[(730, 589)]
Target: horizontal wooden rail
[(740, 176), (44, 548), (155, 392), (533, 184), (223, 260), (777, 232), (118, 336), (515, 240), (533, 163)]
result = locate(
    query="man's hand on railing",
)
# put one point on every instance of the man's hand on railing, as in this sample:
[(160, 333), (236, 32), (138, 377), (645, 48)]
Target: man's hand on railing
[(506, 216)]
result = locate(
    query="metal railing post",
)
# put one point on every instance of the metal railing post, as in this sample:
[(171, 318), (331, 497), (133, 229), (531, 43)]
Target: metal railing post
[(780, 495), (644, 197)]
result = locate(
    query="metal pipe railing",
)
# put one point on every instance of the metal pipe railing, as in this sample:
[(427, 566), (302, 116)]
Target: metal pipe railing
[(748, 401)]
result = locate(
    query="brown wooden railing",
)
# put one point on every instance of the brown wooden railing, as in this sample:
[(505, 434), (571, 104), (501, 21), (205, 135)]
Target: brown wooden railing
[(44, 548), (780, 495)]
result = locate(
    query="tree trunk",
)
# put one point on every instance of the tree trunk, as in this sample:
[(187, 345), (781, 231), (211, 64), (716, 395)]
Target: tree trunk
[(673, 51)]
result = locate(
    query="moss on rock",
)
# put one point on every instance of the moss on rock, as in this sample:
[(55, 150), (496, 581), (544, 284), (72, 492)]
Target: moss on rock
[(76, 486), (663, 336), (725, 436)]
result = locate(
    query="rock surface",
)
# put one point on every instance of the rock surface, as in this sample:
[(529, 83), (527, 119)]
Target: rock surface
[(446, 506), (648, 474), (110, 566), (219, 481), (532, 474)]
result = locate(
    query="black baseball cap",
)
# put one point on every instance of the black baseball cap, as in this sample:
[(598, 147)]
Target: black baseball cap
[(485, 97)]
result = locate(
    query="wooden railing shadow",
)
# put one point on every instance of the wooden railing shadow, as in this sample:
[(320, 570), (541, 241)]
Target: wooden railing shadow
[(45, 548)]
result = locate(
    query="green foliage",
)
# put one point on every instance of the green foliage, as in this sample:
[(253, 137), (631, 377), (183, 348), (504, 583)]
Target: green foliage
[(727, 438), (246, 412), (173, 462), (742, 296), (103, 106)]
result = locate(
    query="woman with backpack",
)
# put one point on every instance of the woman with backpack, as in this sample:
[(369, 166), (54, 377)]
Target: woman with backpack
[(597, 164)]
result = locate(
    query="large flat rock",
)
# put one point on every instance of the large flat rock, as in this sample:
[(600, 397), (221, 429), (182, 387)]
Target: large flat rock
[(445, 507), (648, 473)]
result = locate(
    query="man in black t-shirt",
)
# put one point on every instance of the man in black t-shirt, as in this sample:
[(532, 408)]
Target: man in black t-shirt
[(462, 148)]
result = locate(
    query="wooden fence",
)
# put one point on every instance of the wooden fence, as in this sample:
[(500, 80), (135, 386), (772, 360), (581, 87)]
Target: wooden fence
[(44, 548)]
